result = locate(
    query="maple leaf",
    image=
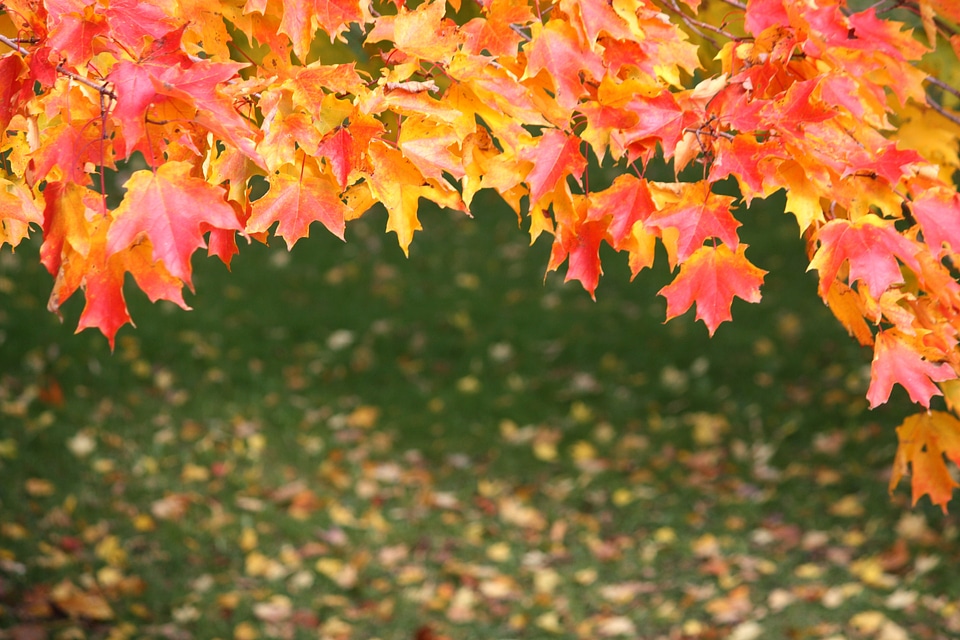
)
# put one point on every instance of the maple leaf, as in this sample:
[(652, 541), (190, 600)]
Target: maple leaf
[(64, 224), (626, 202), (696, 215), (341, 152), (68, 148), (11, 83), (17, 212), (743, 158), (335, 16), (578, 239), (105, 307), (594, 18), (496, 33), (399, 185), (132, 22), (938, 213), (142, 87), (846, 305), (407, 31), (803, 198), (711, 278), (75, 26), (872, 247), (660, 119), (898, 359), (923, 440), (555, 155), (170, 207), (557, 49), (296, 201), (430, 146)]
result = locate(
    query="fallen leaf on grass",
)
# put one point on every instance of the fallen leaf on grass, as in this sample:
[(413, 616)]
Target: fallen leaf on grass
[(172, 507), (39, 488), (78, 604), (617, 626), (277, 609), (733, 607)]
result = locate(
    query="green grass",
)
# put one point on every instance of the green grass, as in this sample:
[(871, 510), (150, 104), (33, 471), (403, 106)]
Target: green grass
[(377, 446)]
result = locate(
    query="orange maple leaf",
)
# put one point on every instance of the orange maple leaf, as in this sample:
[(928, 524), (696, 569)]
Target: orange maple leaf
[(711, 278), (923, 440)]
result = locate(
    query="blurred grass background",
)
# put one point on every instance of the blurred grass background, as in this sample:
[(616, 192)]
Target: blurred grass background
[(453, 444)]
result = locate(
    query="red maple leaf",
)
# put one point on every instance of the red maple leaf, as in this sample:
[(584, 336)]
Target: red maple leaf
[(582, 247), (555, 155), (871, 245), (131, 22), (75, 26), (711, 278), (762, 14), (744, 158), (626, 202), (296, 201), (194, 85), (11, 82), (105, 307), (698, 214), (170, 207), (660, 119), (897, 359), (938, 213), (338, 148)]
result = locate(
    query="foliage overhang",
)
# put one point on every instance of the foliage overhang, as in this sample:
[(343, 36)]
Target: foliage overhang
[(338, 105)]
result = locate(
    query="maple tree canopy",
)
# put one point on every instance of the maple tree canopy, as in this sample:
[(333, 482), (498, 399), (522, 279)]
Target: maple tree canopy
[(329, 107)]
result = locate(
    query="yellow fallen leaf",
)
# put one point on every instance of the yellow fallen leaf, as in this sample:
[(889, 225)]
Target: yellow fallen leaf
[(194, 473), (848, 507), (546, 580), (545, 450), (499, 552), (245, 631), (363, 417), (868, 622), (143, 522), (582, 451), (248, 539), (549, 621)]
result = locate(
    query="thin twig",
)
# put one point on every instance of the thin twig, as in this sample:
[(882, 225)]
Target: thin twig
[(933, 104), (943, 85), (103, 88), (697, 25), (13, 44)]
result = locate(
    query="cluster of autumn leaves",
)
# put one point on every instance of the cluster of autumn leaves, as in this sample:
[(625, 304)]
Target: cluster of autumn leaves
[(439, 101)]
